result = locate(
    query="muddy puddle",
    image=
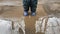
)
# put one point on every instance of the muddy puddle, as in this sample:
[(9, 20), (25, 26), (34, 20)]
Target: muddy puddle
[(47, 20)]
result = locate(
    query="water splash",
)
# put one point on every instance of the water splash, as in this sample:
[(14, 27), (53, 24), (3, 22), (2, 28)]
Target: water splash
[(5, 27), (48, 25), (8, 23)]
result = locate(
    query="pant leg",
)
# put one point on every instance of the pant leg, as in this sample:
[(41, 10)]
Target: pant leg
[(26, 5), (33, 5)]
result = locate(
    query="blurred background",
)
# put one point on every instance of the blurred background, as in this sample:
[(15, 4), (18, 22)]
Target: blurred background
[(11, 11)]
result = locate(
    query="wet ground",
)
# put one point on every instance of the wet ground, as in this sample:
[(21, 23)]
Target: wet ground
[(17, 12)]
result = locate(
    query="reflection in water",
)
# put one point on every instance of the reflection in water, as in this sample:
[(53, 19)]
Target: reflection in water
[(48, 25)]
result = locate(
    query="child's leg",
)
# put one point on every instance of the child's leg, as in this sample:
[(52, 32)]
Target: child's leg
[(33, 5), (26, 7)]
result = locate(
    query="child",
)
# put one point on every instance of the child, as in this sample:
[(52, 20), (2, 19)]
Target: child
[(32, 4)]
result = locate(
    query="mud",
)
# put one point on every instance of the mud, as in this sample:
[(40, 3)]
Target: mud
[(12, 12)]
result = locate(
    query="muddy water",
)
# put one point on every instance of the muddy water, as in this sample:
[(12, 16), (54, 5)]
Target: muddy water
[(17, 12)]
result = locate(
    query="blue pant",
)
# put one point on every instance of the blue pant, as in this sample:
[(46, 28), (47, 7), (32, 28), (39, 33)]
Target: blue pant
[(30, 3)]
